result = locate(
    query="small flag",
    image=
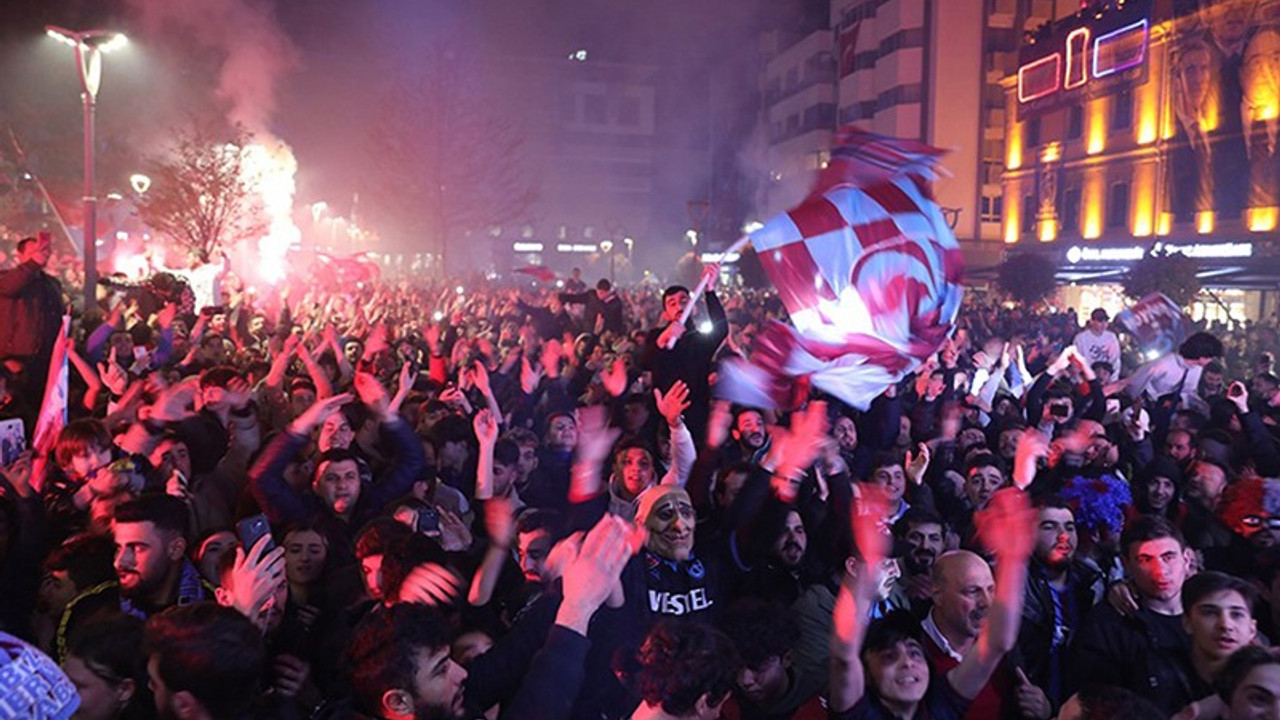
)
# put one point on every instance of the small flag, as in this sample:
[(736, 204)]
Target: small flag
[(53, 409), (541, 273)]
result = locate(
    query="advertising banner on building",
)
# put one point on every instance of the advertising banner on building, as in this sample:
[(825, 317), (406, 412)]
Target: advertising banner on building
[(1225, 95)]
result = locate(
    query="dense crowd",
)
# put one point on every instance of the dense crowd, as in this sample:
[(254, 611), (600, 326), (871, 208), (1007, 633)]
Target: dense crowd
[(417, 500)]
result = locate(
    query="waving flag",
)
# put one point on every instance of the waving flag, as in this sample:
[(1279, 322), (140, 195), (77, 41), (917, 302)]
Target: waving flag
[(53, 410), (869, 271), (538, 272)]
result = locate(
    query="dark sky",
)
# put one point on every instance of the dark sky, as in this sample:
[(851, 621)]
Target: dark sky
[(318, 67)]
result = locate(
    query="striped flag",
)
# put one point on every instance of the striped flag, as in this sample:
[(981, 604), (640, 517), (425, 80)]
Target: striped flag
[(53, 410), (868, 270)]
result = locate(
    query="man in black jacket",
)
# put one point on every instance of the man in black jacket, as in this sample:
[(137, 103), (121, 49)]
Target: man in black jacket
[(1145, 651), (604, 303), (1061, 592), (31, 306), (675, 353)]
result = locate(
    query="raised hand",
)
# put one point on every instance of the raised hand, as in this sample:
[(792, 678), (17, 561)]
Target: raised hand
[(917, 464), (797, 447), (238, 392), (430, 584), (718, 423), (486, 427), (529, 377), (591, 574), (319, 411), (255, 577), (166, 316), (1032, 702), (1032, 446), (1006, 526), (595, 437), (455, 536), (18, 473), (674, 402), (499, 521), (113, 377), (373, 394), (615, 378), (480, 378)]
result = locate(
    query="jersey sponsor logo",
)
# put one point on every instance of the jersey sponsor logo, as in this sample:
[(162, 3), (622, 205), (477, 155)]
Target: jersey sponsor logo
[(668, 603)]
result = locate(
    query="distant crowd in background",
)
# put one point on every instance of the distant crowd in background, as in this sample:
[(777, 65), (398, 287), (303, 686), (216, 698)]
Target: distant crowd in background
[(455, 500)]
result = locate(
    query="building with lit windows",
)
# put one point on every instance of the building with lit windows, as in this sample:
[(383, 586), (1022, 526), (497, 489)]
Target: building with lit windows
[(1135, 124), (924, 69)]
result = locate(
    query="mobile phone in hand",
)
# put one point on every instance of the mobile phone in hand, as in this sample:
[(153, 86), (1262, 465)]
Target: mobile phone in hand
[(251, 529)]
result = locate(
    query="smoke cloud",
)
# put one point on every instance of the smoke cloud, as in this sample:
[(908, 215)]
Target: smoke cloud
[(255, 52)]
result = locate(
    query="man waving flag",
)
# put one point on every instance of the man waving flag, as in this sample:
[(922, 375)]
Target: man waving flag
[(869, 271)]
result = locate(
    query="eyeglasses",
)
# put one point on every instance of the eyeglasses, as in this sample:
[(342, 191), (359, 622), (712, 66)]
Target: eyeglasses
[(1254, 521)]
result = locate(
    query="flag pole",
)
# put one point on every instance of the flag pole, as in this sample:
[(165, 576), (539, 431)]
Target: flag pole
[(702, 285)]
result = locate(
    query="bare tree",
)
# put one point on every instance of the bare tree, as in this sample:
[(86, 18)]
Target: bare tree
[(203, 195), (449, 159)]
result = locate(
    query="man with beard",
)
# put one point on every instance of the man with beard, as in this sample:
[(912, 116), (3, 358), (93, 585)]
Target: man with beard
[(1061, 591), (1207, 480), (782, 570), (749, 434), (204, 661), (1142, 651), (152, 569), (923, 536)]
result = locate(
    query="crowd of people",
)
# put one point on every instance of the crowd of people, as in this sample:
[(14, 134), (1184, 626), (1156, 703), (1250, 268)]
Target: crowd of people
[(444, 501)]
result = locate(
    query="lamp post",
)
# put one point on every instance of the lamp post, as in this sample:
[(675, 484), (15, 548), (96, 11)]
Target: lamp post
[(89, 46)]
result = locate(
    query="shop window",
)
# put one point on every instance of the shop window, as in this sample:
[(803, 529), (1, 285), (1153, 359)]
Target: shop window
[(1069, 214), (1122, 110), (1075, 122), (992, 208), (1118, 206)]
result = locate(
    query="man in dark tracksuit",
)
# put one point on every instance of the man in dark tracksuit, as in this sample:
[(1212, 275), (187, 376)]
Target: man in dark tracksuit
[(692, 357)]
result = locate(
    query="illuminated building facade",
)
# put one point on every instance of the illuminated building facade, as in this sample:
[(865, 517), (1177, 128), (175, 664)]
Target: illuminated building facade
[(924, 69), (1140, 122)]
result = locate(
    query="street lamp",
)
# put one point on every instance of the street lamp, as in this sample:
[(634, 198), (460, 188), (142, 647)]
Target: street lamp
[(89, 47), (606, 247)]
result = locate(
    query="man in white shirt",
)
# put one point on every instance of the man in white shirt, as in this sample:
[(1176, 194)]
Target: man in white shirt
[(1176, 372), (1098, 344)]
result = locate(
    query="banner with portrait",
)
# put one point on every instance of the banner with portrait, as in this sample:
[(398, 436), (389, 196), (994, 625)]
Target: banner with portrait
[(1224, 72)]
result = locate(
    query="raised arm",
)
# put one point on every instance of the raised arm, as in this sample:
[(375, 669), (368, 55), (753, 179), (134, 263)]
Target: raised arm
[(1006, 527), (853, 604)]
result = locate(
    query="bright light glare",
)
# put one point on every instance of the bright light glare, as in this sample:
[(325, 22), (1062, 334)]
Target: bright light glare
[(117, 42), (271, 169), (437, 316), (705, 327), (459, 290), (1153, 354), (559, 283)]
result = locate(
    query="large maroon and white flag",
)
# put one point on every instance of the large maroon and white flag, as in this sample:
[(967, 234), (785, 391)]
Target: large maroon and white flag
[(868, 270)]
